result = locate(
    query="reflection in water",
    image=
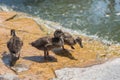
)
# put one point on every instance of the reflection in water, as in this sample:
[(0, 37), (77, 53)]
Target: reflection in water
[(101, 17)]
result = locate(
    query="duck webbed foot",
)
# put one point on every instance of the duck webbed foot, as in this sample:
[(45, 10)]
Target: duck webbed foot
[(46, 55)]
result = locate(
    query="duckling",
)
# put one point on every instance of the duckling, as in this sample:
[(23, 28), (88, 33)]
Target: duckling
[(69, 40), (48, 43), (14, 45)]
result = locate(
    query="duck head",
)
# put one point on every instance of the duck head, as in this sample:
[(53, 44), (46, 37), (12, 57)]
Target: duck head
[(79, 41), (58, 33), (13, 32)]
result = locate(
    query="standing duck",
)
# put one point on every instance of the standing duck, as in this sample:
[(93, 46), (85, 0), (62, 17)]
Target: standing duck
[(48, 43), (14, 45), (69, 40)]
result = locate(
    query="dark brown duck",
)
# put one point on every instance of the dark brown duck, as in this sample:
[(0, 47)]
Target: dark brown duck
[(48, 43), (69, 40), (14, 45)]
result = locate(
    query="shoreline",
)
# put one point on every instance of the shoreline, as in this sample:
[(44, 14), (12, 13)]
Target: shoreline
[(52, 26)]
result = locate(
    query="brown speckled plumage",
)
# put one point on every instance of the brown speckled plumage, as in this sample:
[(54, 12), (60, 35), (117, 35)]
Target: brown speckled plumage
[(69, 40), (48, 43), (14, 45)]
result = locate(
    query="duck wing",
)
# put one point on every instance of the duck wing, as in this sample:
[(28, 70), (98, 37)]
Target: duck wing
[(68, 39), (41, 43), (14, 44)]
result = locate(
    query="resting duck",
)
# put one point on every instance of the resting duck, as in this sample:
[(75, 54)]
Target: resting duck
[(69, 40), (14, 45), (48, 43)]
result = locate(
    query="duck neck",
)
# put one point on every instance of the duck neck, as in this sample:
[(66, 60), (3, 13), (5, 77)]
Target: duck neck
[(13, 33)]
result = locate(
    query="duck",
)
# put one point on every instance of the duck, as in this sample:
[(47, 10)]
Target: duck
[(48, 43), (69, 39), (14, 46)]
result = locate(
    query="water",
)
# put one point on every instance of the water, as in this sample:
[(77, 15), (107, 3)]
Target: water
[(93, 17)]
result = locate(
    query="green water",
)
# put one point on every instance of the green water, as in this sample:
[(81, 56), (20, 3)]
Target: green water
[(93, 17)]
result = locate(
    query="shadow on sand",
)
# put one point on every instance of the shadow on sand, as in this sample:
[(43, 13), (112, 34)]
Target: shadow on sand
[(41, 59), (6, 58), (64, 53), (17, 67)]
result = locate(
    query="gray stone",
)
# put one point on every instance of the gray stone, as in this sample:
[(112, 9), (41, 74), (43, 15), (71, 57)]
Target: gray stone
[(20, 67), (9, 76), (107, 71)]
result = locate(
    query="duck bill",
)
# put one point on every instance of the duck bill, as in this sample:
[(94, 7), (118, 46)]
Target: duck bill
[(79, 41)]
